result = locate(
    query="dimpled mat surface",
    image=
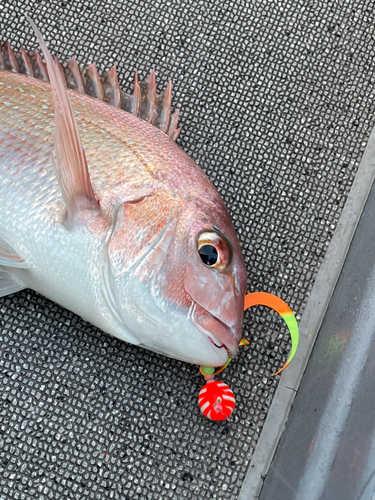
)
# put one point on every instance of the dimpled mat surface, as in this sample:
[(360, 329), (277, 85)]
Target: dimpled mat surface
[(277, 102)]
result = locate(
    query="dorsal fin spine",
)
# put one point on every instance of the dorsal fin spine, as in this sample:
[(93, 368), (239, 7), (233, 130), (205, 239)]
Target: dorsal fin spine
[(111, 88), (148, 109), (164, 108), (61, 71), (27, 63), (136, 96), (39, 68), (7, 57), (173, 125), (77, 81), (93, 84), (12, 59), (175, 134)]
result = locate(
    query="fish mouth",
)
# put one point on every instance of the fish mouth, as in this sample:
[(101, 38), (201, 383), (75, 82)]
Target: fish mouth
[(214, 342), (218, 333)]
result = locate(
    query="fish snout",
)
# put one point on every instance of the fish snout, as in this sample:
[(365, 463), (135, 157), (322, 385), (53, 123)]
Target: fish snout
[(218, 333)]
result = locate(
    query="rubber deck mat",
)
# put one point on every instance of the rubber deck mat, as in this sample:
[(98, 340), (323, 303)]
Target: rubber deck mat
[(277, 103)]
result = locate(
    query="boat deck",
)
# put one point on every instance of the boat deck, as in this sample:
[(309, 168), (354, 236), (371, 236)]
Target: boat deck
[(277, 105)]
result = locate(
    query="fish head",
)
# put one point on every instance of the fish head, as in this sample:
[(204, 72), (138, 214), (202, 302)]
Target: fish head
[(178, 279), (215, 279)]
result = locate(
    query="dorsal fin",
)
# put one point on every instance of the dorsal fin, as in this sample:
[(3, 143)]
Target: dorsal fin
[(111, 88), (93, 84), (24, 63), (39, 68), (61, 71), (164, 109), (70, 163), (173, 131), (7, 57), (149, 100), (73, 76), (131, 103), (143, 102)]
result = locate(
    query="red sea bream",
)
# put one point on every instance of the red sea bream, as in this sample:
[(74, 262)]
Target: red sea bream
[(101, 211)]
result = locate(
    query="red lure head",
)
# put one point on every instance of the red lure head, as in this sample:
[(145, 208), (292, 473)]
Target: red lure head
[(216, 400)]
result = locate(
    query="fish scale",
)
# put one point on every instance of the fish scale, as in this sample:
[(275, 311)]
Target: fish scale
[(128, 261)]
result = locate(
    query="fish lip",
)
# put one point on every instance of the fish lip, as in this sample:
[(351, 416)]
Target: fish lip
[(218, 344)]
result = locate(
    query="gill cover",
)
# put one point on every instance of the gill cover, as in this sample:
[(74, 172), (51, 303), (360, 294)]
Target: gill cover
[(146, 277), (138, 228)]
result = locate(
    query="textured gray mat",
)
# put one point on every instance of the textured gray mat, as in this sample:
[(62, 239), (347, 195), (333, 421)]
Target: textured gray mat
[(277, 102)]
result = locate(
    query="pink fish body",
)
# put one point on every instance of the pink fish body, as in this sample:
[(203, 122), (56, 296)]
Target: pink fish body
[(102, 212)]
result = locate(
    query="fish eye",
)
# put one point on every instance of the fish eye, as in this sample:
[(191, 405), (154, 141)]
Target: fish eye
[(209, 255), (213, 250)]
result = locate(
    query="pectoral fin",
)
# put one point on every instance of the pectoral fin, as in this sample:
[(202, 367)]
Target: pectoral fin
[(69, 161), (10, 258), (9, 284)]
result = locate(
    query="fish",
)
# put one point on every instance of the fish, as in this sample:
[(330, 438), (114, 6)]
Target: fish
[(103, 213)]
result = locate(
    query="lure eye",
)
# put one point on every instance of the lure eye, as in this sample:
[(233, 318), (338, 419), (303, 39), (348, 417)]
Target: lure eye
[(209, 255), (218, 401), (214, 250)]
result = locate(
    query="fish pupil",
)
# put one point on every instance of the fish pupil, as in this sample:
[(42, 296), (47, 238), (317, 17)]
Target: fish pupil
[(208, 254)]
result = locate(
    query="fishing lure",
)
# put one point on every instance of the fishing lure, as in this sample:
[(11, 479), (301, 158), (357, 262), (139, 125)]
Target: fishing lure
[(216, 400), (278, 305)]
